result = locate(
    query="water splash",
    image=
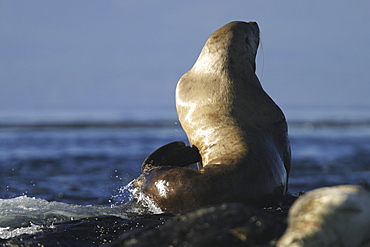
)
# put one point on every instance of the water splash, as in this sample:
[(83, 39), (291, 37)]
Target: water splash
[(123, 195), (134, 200), (145, 201)]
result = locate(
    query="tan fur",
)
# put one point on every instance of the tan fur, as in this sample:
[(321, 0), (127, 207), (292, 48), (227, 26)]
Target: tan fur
[(329, 216), (240, 132)]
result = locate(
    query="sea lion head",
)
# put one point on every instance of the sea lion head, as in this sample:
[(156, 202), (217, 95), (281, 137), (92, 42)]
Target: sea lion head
[(235, 40)]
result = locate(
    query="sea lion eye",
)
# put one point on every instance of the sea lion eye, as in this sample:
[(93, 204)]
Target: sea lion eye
[(248, 40)]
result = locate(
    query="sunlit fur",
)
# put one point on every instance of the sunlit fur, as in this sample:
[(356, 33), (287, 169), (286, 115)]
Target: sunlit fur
[(240, 132)]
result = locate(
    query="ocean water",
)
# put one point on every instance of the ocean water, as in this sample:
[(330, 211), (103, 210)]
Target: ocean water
[(56, 167)]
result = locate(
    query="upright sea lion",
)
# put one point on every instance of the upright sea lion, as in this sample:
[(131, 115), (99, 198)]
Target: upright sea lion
[(241, 134)]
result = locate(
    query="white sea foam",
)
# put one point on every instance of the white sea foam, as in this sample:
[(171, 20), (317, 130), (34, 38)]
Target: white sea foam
[(7, 232), (29, 215), (26, 215)]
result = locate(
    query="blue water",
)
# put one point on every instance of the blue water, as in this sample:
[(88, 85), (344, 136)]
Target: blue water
[(83, 161), (88, 159)]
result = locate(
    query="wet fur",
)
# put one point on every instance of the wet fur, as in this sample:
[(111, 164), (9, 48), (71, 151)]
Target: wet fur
[(241, 134)]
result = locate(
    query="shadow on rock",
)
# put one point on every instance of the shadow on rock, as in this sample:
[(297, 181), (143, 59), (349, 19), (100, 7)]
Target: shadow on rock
[(230, 224)]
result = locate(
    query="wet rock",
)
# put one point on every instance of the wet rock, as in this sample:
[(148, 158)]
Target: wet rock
[(87, 232), (230, 224)]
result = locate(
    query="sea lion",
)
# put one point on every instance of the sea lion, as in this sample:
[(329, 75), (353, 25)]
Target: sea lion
[(241, 134), (330, 216)]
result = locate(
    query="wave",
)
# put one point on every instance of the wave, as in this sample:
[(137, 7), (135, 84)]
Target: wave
[(297, 117), (326, 123), (29, 215), (90, 124), (26, 211), (318, 117), (158, 124)]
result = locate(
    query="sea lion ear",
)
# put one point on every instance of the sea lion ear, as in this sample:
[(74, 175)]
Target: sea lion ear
[(172, 154)]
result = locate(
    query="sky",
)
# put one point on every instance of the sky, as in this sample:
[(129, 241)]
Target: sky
[(128, 55)]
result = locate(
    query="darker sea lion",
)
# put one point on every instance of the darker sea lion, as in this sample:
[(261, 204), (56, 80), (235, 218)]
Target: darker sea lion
[(241, 134)]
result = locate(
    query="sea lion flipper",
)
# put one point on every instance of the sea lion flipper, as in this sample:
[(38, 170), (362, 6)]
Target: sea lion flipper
[(172, 154)]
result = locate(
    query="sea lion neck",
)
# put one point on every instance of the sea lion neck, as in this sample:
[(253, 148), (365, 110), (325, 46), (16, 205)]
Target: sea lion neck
[(235, 40)]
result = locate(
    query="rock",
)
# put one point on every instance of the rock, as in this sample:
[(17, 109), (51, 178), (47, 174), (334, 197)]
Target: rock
[(93, 231), (228, 224)]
